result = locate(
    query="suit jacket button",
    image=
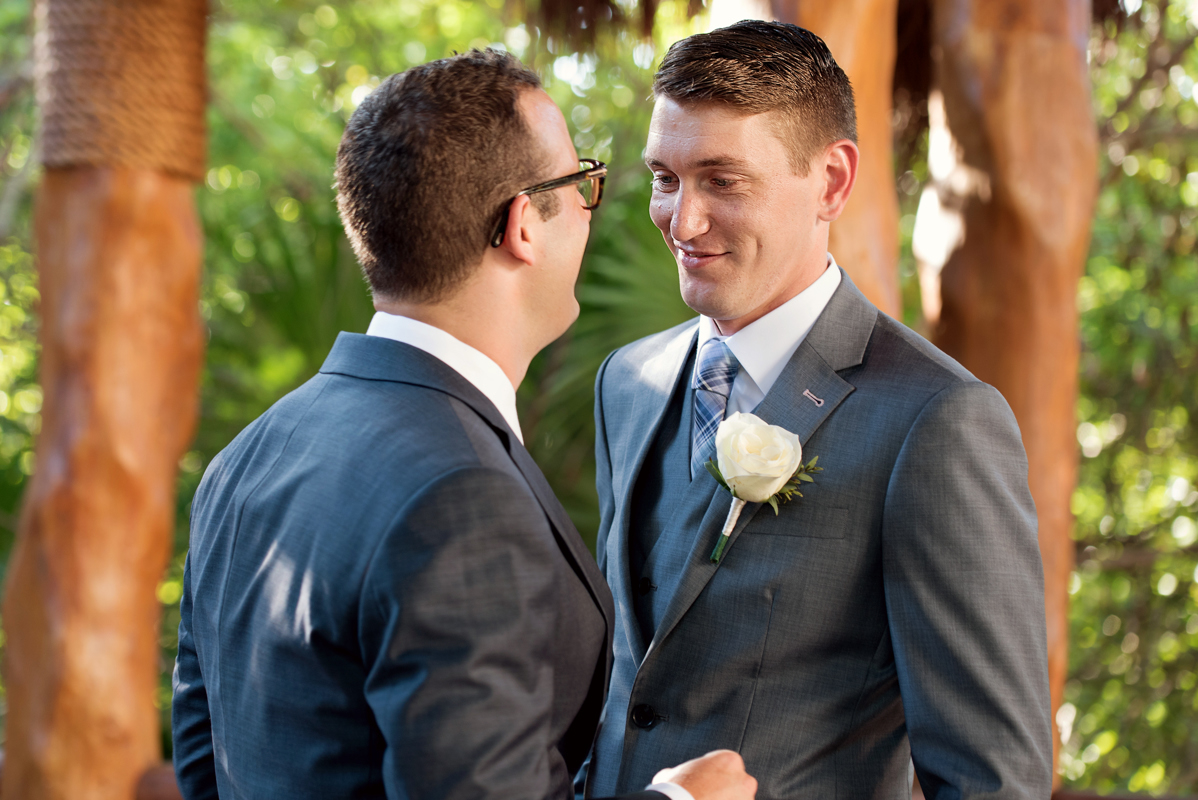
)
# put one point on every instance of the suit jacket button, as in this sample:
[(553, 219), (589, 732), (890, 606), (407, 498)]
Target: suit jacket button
[(646, 585), (643, 716)]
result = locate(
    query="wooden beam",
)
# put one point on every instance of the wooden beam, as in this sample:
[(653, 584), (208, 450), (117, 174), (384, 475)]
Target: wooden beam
[(1016, 90), (121, 94), (119, 260), (158, 783), (861, 36)]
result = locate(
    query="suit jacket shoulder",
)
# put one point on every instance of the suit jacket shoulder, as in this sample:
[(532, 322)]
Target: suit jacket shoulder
[(894, 350), (625, 363)]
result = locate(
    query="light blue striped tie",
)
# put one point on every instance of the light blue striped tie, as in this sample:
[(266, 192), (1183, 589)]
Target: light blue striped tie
[(712, 384)]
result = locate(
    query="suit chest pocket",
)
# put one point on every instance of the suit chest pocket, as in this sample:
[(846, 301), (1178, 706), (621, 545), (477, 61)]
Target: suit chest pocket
[(795, 518)]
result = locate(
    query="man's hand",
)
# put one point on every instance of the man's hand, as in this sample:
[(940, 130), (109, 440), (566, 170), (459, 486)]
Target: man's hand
[(719, 775)]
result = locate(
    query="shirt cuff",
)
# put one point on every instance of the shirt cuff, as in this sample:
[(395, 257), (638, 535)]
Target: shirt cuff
[(670, 790)]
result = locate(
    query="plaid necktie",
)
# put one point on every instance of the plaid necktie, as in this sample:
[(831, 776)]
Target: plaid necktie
[(712, 385)]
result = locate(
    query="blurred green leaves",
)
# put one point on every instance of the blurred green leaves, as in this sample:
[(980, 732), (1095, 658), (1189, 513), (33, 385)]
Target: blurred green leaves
[(20, 394), (1134, 615)]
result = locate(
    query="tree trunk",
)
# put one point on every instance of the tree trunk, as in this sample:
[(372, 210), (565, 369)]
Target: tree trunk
[(1015, 83), (121, 91), (861, 36)]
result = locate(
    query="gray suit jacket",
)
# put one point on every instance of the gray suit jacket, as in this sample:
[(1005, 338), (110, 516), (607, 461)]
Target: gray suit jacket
[(895, 612), (383, 598)]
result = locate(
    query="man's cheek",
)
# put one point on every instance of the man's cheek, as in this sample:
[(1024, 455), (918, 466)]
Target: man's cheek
[(660, 212)]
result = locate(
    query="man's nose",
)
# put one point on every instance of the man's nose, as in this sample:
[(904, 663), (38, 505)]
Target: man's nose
[(688, 218)]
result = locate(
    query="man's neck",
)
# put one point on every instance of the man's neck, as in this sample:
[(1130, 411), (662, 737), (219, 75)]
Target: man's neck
[(727, 327), (484, 326)]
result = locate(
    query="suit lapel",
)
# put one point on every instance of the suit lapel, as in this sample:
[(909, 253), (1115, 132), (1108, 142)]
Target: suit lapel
[(571, 543), (658, 378), (805, 394)]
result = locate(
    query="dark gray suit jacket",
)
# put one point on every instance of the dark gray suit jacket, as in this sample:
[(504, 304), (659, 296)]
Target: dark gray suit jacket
[(894, 612), (384, 599)]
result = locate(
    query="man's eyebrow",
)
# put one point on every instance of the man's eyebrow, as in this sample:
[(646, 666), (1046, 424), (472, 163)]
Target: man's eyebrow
[(717, 161)]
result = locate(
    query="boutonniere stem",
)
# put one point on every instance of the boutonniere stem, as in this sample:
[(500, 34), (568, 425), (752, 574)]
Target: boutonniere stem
[(734, 510)]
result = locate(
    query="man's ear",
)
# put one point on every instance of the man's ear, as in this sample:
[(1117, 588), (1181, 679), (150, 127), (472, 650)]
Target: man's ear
[(840, 174), (517, 237)]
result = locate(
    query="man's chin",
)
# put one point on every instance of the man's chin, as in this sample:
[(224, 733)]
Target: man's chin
[(703, 302)]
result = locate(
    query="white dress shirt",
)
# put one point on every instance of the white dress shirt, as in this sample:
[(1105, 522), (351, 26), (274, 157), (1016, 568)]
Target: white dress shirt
[(486, 376), (764, 347)]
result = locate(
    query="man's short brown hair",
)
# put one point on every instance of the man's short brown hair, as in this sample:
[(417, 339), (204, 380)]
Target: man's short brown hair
[(425, 166), (757, 67)]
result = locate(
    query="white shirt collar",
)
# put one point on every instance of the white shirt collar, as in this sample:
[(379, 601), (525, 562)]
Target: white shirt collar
[(486, 376), (764, 347)]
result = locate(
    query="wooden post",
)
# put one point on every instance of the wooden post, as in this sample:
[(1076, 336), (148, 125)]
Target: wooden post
[(121, 90), (1016, 91), (861, 36)]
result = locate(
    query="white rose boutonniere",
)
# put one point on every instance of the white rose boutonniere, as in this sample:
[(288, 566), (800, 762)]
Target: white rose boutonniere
[(757, 463)]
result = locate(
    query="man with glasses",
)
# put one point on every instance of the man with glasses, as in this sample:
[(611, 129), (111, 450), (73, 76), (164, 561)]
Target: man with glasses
[(382, 597)]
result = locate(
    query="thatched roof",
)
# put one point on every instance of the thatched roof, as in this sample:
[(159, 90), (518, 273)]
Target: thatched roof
[(579, 22)]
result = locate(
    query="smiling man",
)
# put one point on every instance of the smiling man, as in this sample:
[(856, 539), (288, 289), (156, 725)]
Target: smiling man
[(893, 615)]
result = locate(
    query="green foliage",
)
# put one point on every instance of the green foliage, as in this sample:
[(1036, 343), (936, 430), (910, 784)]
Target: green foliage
[(791, 489), (20, 394), (1134, 616), (714, 470)]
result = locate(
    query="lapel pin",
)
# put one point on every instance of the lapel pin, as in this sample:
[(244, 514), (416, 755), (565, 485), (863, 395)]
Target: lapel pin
[(807, 393)]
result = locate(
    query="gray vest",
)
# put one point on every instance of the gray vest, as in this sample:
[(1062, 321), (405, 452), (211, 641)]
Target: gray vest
[(667, 508)]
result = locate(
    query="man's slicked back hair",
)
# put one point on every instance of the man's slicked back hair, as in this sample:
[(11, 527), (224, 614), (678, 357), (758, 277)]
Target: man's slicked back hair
[(425, 165), (757, 67)]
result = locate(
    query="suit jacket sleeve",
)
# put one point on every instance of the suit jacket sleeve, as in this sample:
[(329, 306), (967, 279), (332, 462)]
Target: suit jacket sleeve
[(191, 725), (457, 612), (965, 598)]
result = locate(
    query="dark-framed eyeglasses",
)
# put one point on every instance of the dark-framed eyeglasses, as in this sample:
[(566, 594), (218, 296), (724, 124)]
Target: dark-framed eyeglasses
[(590, 185)]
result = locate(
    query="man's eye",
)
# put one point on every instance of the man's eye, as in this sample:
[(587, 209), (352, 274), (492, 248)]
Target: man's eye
[(722, 183), (663, 181)]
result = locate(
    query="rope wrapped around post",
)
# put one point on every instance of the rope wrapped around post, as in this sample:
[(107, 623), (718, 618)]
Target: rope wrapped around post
[(121, 87)]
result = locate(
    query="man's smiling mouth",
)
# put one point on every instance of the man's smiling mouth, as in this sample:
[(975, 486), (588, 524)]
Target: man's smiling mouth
[(693, 258)]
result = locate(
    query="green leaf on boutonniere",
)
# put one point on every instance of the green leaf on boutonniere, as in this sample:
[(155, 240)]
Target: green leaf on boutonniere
[(714, 469), (802, 475), (773, 501)]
